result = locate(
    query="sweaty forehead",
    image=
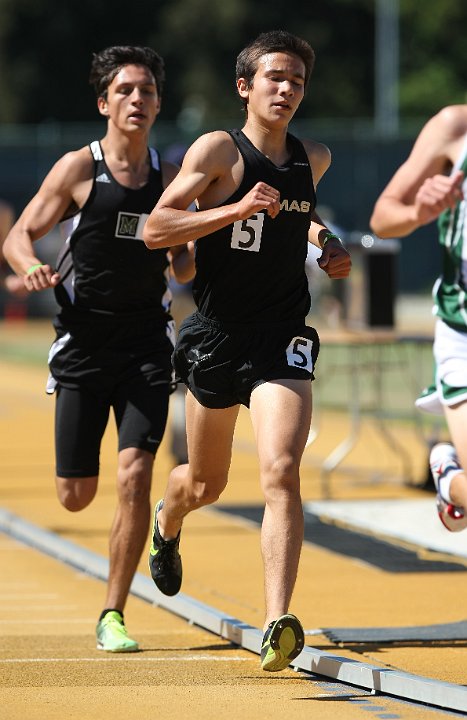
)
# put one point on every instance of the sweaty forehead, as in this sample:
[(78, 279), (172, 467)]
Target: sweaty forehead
[(282, 61)]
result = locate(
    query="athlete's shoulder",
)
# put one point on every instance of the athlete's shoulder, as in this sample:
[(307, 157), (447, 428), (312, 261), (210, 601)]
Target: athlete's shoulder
[(215, 149), (451, 121), (215, 141), (77, 161), (73, 167), (319, 156)]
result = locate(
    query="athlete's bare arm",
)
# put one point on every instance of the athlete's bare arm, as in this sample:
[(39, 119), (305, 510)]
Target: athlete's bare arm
[(334, 260), (182, 262), (319, 157), (181, 257), (169, 172), (207, 177), (67, 185), (422, 187)]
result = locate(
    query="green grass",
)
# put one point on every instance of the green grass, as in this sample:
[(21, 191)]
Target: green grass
[(385, 378), (26, 342)]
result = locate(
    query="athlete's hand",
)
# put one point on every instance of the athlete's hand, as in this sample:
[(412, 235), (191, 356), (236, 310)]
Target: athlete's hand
[(260, 197), (41, 278), (335, 260), (436, 194)]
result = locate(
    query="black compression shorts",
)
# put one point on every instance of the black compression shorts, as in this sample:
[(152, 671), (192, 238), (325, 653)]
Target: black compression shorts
[(99, 367)]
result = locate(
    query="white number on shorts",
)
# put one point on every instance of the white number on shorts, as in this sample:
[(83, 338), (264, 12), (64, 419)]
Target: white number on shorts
[(246, 234), (299, 353)]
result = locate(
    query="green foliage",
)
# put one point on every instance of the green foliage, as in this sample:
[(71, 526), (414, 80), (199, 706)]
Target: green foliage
[(46, 48), (433, 55)]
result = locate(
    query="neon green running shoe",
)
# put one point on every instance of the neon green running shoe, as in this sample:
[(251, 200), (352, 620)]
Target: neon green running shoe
[(282, 642), (112, 634)]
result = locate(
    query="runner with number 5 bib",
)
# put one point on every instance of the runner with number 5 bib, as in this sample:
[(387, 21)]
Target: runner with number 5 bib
[(248, 343)]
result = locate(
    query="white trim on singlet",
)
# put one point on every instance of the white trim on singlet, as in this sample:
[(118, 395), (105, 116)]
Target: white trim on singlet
[(96, 150), (68, 226), (97, 154), (462, 156)]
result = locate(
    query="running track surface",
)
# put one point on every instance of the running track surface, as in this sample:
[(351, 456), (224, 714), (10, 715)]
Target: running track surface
[(50, 667)]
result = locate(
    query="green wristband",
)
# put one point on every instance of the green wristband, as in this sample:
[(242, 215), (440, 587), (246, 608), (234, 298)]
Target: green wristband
[(34, 267), (331, 236)]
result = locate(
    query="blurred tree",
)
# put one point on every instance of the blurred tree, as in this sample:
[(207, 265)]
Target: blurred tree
[(433, 56), (201, 40), (46, 48)]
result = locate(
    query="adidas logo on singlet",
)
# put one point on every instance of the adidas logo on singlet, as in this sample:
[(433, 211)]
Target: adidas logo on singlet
[(103, 178)]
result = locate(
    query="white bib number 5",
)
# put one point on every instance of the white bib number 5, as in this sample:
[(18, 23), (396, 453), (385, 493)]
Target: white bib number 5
[(299, 353), (246, 234)]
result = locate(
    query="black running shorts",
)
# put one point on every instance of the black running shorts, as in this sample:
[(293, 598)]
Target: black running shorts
[(109, 366), (222, 364)]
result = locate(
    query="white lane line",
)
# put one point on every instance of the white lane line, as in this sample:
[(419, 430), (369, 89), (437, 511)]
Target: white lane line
[(36, 608), (32, 596), (45, 621), (134, 658), (87, 621)]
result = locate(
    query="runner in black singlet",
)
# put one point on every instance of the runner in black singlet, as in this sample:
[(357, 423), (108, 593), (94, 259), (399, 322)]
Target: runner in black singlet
[(248, 343), (114, 330)]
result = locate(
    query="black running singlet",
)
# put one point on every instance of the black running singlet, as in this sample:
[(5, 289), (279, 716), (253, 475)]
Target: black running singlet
[(253, 270), (104, 263)]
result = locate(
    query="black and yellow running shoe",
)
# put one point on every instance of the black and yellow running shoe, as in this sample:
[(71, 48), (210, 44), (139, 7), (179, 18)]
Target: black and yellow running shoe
[(282, 642), (165, 562)]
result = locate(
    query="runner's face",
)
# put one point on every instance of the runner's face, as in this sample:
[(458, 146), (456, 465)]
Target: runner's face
[(132, 101), (278, 87)]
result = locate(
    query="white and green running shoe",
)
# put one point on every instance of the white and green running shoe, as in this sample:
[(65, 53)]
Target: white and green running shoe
[(282, 642), (444, 465), (112, 634)]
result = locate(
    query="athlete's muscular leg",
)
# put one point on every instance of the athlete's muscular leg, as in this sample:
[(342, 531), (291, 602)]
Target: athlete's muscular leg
[(130, 527), (281, 415), (76, 493), (456, 418), (80, 422), (209, 437)]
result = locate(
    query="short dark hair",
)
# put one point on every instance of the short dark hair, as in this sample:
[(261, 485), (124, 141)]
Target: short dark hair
[(272, 42), (108, 63)]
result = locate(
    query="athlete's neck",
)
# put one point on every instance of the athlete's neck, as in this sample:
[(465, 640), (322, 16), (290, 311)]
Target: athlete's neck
[(127, 158), (272, 142)]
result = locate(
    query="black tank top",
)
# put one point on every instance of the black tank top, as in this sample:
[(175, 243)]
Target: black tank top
[(104, 263), (253, 271)]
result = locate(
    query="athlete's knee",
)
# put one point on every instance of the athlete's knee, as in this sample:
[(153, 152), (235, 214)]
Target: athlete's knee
[(134, 482), (76, 493), (207, 490), (280, 476), (205, 495), (282, 468)]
